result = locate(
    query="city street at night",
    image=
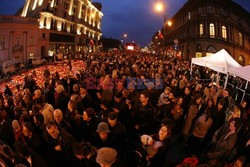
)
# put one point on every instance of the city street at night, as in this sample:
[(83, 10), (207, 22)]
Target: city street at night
[(124, 83)]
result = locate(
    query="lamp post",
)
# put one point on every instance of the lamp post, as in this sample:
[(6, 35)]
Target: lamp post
[(159, 7), (124, 36)]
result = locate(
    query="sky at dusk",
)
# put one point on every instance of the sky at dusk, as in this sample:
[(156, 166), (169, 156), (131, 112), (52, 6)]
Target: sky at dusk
[(133, 17)]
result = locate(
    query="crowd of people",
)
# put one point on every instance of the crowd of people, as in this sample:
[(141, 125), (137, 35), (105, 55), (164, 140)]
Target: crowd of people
[(123, 109)]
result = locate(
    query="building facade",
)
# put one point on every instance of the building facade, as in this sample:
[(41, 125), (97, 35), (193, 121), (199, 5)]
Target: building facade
[(46, 27), (204, 27)]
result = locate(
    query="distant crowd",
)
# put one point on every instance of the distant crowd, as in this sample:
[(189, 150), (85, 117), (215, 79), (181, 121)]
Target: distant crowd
[(124, 110)]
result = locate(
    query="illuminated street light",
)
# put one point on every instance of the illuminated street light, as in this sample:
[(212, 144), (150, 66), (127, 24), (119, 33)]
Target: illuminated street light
[(121, 40), (159, 6), (133, 41), (125, 35), (169, 23)]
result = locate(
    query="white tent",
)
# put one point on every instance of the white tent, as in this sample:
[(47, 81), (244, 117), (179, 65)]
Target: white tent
[(220, 62), (243, 72)]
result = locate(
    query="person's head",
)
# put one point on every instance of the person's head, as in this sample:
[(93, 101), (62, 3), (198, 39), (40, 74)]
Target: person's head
[(180, 100), (236, 112), (167, 90), (106, 156), (83, 89), (243, 104), (88, 114), (52, 129), (187, 90), (37, 94), (75, 88), (210, 103), (112, 119), (118, 97), (58, 115), (38, 119), (144, 97), (16, 126), (39, 103), (59, 89), (28, 129), (82, 150), (225, 93), (163, 132), (234, 124), (125, 93), (103, 130), (72, 105), (197, 99), (198, 87)]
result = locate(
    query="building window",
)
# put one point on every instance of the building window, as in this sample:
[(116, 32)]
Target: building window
[(201, 29), (189, 15), (240, 39), (224, 32), (31, 55), (211, 30), (43, 35)]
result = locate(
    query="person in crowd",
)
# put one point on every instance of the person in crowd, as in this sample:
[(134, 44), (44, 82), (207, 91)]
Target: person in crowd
[(223, 142), (121, 108), (85, 154), (103, 138), (86, 99), (107, 157), (60, 121), (61, 98), (45, 109), (191, 115), (118, 130), (61, 141), (201, 128), (89, 124)]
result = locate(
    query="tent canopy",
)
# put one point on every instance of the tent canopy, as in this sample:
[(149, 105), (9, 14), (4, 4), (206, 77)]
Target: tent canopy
[(243, 72), (220, 61)]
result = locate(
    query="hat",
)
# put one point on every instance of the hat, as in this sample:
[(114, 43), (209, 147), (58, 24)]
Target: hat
[(106, 156), (103, 127), (15, 124), (59, 89), (147, 140)]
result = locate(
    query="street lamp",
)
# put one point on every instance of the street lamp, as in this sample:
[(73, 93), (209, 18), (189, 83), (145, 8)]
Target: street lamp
[(159, 7), (125, 35)]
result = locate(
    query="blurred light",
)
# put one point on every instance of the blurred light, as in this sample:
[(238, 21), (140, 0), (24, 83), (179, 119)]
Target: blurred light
[(125, 35), (93, 15), (159, 7), (169, 23)]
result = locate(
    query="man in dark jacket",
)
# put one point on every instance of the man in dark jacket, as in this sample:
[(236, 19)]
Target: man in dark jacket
[(144, 115), (223, 141), (62, 142)]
